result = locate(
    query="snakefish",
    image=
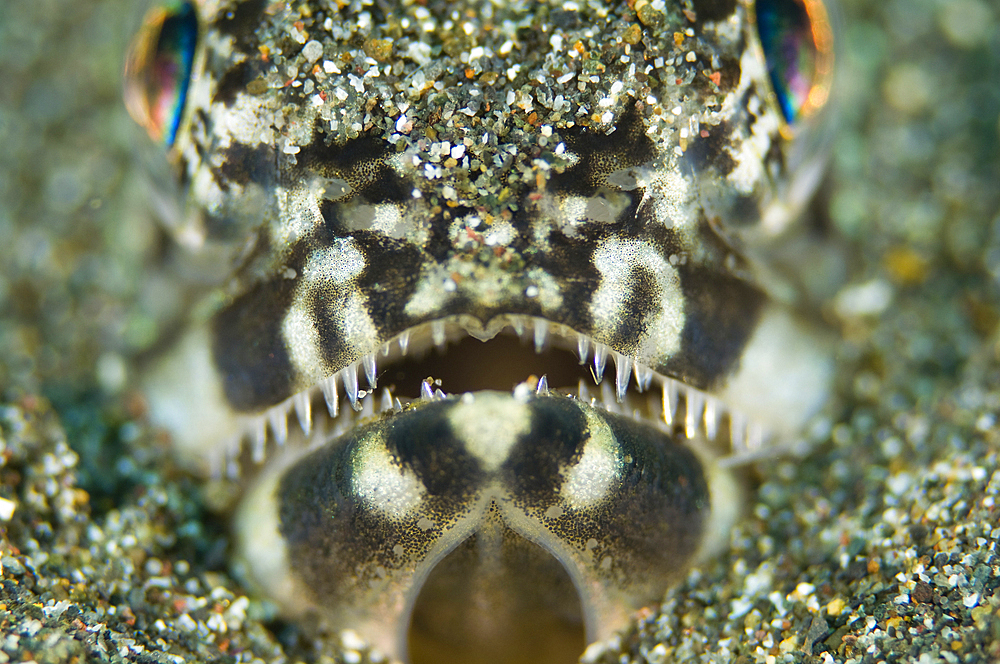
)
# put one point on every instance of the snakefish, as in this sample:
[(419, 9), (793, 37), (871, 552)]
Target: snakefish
[(484, 310)]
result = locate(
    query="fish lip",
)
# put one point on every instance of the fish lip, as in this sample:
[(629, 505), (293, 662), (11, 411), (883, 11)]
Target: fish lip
[(281, 581), (731, 435)]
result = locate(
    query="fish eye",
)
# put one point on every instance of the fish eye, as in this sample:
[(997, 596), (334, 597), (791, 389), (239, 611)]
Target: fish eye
[(797, 40), (158, 69)]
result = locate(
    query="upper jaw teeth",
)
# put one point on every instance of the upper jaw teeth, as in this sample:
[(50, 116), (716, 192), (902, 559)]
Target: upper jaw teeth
[(677, 406)]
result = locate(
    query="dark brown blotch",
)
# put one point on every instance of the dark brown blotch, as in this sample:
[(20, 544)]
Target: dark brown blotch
[(639, 304), (721, 313), (243, 164), (601, 154), (729, 71), (235, 80), (249, 349), (712, 10), (241, 22), (711, 151), (361, 162)]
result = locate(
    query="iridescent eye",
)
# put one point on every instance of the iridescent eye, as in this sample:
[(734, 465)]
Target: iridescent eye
[(798, 44), (158, 71)]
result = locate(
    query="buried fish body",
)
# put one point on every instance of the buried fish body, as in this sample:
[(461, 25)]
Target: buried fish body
[(366, 182)]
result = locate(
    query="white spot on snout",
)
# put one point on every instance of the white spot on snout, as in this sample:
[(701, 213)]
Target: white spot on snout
[(302, 342), (336, 264), (489, 426), (587, 482), (380, 483), (670, 195), (617, 260), (331, 271)]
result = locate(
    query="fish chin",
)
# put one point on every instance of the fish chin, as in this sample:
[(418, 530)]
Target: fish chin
[(487, 524)]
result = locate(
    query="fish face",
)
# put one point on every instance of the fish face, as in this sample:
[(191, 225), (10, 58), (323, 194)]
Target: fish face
[(377, 182)]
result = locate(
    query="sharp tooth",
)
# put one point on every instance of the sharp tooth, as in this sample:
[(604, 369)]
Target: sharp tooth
[(518, 324), (600, 359), (669, 401), (542, 389), (541, 334), (367, 405), (437, 333), (386, 347), (397, 405), (342, 424), (258, 440), (303, 409), (582, 348), (277, 417), (371, 370), (234, 448), (230, 457), (349, 375), (711, 418), (583, 392), (608, 398), (695, 402), (426, 393), (439, 394), (623, 371), (386, 400), (643, 376), (737, 431), (330, 394), (404, 342)]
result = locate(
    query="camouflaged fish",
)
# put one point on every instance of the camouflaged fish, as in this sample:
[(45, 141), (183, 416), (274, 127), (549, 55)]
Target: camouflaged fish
[(390, 193)]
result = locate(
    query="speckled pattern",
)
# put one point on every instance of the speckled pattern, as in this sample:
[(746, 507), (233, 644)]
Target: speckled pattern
[(383, 172), (879, 546)]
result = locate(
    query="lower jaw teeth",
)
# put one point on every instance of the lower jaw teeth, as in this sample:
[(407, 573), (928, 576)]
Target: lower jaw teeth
[(676, 407)]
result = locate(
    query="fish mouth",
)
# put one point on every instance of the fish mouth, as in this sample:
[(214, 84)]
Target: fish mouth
[(510, 572), (459, 355), (387, 465)]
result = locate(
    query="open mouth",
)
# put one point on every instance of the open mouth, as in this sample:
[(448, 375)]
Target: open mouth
[(458, 355), (508, 500)]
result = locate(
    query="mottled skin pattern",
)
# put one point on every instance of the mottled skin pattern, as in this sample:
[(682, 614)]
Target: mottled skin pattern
[(609, 173), (383, 178), (357, 521)]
